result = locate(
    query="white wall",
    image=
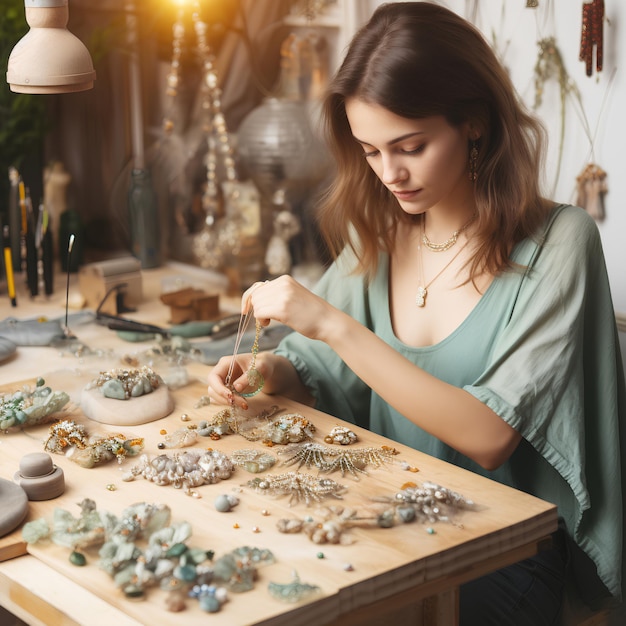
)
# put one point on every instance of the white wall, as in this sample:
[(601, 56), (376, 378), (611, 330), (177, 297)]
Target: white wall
[(516, 30)]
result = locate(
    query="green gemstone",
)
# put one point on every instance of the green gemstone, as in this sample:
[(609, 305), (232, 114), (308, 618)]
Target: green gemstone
[(176, 550), (77, 558), (133, 591)]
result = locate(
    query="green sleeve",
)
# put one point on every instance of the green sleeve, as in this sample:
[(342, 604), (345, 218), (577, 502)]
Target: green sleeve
[(555, 375)]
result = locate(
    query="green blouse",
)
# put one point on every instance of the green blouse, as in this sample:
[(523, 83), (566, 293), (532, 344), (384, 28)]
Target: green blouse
[(541, 350)]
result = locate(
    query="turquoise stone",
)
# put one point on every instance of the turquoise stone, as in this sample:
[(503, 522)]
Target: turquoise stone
[(210, 604), (113, 389)]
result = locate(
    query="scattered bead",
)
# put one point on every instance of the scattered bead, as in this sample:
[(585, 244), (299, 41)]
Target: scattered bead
[(163, 431), (430, 531), (134, 591), (235, 525), (203, 401), (406, 514), (111, 487), (161, 445), (225, 503), (185, 418), (210, 604), (348, 567), (256, 529), (175, 601), (385, 519), (320, 555), (265, 512), (77, 558)]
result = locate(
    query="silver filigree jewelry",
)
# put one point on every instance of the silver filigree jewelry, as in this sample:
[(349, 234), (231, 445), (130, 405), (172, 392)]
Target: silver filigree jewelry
[(429, 503), (327, 459), (253, 461), (299, 487)]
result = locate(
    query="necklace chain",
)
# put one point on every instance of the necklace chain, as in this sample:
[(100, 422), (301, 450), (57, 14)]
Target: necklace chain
[(448, 243), (422, 290), (244, 321)]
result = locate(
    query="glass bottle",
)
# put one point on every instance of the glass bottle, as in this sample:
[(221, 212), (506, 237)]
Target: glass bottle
[(145, 232)]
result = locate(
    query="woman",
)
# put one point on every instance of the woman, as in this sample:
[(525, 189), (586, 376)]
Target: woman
[(464, 314)]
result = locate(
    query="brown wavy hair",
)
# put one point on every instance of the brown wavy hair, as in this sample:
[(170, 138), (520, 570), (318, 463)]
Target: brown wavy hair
[(418, 59)]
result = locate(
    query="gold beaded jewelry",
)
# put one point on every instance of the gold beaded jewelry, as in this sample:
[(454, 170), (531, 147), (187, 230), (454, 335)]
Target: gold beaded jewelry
[(448, 243)]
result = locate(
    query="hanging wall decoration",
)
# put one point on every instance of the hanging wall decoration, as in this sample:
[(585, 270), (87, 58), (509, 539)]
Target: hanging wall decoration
[(549, 66), (592, 35), (591, 187), (220, 235)]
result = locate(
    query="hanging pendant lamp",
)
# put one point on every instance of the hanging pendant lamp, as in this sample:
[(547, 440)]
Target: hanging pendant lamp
[(49, 59)]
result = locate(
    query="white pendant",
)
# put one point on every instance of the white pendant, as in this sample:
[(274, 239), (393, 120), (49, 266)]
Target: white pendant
[(420, 297)]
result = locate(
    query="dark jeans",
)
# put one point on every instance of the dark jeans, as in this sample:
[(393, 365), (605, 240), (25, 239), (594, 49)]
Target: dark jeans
[(528, 593)]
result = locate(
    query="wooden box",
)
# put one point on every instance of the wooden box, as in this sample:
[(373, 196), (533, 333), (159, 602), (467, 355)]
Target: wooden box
[(189, 304)]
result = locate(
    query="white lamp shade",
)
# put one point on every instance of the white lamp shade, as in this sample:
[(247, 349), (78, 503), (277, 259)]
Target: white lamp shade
[(49, 59)]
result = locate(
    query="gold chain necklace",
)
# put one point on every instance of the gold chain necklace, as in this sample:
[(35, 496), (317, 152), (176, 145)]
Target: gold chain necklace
[(255, 378), (448, 243), (422, 290)]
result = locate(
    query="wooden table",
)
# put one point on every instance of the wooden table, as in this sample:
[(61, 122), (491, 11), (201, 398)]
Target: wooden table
[(402, 573)]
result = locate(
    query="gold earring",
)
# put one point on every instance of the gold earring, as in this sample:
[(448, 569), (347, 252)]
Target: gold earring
[(473, 162)]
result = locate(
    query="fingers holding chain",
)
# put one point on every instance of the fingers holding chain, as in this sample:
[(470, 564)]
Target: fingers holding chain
[(255, 380), (246, 300)]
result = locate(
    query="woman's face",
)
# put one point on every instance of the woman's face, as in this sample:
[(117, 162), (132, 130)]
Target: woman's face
[(423, 162)]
